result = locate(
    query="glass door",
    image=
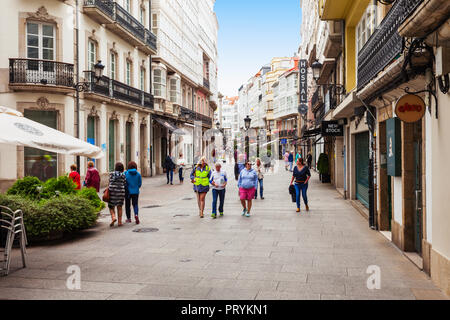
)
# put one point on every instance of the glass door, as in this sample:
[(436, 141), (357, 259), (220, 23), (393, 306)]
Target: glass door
[(112, 145), (39, 163), (362, 167)]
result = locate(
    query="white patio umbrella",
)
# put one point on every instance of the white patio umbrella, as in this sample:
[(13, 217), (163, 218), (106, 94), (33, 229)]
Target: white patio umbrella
[(17, 130)]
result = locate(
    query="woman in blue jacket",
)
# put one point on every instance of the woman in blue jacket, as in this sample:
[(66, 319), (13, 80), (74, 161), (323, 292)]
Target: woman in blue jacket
[(134, 183), (247, 183)]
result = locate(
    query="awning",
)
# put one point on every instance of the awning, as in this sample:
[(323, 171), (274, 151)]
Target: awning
[(312, 133), (17, 130), (170, 126)]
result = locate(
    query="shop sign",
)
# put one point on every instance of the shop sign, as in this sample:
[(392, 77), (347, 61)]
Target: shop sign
[(303, 85), (332, 128), (393, 147), (410, 108)]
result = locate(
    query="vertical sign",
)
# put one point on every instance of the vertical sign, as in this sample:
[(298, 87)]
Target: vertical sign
[(393, 146), (303, 72)]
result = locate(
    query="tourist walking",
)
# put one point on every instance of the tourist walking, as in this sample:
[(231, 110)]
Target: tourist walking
[(200, 176), (169, 165), (219, 182), (75, 176), (117, 181), (301, 175), (297, 155), (181, 163), (286, 160), (247, 183), (309, 159), (291, 160), (92, 179), (259, 171), (134, 183)]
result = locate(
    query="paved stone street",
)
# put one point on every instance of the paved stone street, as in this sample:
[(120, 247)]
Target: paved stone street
[(275, 254)]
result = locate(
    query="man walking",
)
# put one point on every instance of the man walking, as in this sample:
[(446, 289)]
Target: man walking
[(170, 166), (219, 182), (291, 161)]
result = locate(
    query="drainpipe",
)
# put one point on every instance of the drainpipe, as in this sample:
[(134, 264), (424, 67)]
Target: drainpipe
[(77, 45), (372, 176)]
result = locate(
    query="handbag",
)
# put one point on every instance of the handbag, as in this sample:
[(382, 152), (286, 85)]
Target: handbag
[(106, 196)]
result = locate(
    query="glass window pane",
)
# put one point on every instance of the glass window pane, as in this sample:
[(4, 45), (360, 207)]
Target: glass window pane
[(47, 30), (33, 40), (47, 42), (33, 53), (47, 54), (32, 28)]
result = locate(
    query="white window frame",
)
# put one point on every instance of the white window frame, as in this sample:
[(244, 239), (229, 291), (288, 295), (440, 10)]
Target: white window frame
[(366, 27), (142, 78), (159, 82), (41, 37), (92, 54), (128, 72), (112, 65)]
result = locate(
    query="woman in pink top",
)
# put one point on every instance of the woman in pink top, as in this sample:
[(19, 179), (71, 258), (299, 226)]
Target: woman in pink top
[(286, 160)]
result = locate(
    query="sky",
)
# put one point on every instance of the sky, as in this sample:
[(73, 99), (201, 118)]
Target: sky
[(251, 33)]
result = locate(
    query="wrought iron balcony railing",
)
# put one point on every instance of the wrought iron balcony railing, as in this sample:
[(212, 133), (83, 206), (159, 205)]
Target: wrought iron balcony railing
[(46, 72), (206, 83), (118, 14), (118, 90), (385, 44)]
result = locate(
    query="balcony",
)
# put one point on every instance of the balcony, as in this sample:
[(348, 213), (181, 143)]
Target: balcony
[(333, 41), (121, 22), (189, 114), (316, 100), (385, 44), (41, 75), (114, 89)]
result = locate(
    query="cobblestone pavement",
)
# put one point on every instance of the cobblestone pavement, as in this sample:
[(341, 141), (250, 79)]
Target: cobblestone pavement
[(275, 254)]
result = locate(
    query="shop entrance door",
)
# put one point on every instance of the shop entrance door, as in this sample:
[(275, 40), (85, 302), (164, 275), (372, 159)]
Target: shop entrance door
[(418, 234), (362, 167)]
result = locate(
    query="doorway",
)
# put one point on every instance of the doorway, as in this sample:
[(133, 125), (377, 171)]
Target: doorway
[(112, 145), (418, 216), (128, 142), (362, 167)]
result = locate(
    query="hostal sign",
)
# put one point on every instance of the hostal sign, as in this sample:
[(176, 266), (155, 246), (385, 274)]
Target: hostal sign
[(410, 108), (303, 83)]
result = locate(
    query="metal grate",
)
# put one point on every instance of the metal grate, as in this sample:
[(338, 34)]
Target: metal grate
[(145, 230)]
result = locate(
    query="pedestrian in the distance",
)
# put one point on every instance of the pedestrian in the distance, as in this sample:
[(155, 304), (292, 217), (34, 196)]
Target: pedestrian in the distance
[(286, 161), (219, 182), (291, 161), (170, 166), (200, 176), (309, 160), (75, 176), (92, 179), (134, 183), (247, 183), (259, 170), (117, 182), (181, 163), (297, 155), (301, 175)]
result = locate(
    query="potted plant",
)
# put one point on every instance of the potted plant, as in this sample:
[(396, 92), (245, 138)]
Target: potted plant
[(324, 168)]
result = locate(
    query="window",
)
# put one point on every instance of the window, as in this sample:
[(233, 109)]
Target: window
[(128, 73), (142, 79), (142, 15), (112, 68), (128, 5), (159, 83), (154, 23), (366, 27), (92, 54), (40, 41)]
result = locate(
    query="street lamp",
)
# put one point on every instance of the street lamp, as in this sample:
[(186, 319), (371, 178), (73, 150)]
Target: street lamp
[(98, 74), (247, 122), (316, 67)]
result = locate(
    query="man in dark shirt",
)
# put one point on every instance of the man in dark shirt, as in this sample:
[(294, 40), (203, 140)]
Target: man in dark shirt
[(170, 166)]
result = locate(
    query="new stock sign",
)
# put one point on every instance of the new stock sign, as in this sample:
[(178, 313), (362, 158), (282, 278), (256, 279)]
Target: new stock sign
[(410, 108)]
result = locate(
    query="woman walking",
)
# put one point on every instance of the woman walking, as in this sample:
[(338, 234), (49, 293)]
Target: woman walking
[(92, 179), (247, 184), (134, 183), (286, 160), (219, 182), (259, 171), (117, 181), (291, 161), (301, 175), (200, 176), (181, 163)]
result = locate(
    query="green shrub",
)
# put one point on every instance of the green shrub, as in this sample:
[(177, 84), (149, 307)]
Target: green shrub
[(92, 196), (63, 184), (322, 164), (26, 187), (66, 213)]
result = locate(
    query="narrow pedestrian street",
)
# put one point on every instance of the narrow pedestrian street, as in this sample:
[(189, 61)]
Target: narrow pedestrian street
[(275, 254)]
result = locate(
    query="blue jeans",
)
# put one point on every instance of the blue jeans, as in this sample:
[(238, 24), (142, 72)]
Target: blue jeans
[(169, 172), (302, 187), (221, 195), (131, 199), (290, 165), (261, 189), (180, 174)]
